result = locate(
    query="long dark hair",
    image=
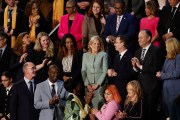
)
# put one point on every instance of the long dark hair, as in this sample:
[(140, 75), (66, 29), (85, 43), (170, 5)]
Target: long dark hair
[(90, 13), (63, 51)]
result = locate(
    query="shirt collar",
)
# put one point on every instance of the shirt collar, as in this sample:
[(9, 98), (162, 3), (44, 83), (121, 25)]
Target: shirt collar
[(50, 83), (177, 5), (122, 53), (147, 47), (27, 81)]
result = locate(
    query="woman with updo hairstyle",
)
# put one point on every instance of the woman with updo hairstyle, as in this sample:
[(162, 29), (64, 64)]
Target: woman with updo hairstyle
[(22, 52)]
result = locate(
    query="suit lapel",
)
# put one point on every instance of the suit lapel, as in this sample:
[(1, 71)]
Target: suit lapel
[(114, 25), (122, 23), (176, 13), (74, 22), (25, 88), (48, 89), (59, 88)]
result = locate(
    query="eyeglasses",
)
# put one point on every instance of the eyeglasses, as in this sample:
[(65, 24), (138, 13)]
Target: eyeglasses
[(69, 7), (5, 80)]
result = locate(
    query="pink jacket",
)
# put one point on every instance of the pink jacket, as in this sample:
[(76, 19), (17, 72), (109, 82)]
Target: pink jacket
[(76, 28), (108, 111)]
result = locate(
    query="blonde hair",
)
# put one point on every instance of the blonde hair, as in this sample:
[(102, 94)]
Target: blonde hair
[(172, 48), (136, 88), (151, 5), (94, 38), (38, 47)]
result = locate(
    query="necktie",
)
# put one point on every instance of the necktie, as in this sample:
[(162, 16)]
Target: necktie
[(118, 23), (119, 56), (173, 12), (143, 54), (53, 90), (0, 54), (7, 91), (9, 17), (31, 87)]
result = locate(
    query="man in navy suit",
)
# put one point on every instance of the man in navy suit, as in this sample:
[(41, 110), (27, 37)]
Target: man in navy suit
[(22, 96), (120, 23), (146, 63), (121, 70)]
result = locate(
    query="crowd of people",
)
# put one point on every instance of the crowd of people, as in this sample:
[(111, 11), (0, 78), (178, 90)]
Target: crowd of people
[(89, 60)]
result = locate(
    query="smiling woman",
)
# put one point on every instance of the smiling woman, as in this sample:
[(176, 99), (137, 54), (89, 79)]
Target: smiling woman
[(71, 23), (94, 68)]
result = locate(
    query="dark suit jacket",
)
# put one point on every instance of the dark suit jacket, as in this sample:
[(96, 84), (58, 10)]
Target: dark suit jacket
[(128, 28), (4, 104), (5, 60), (164, 22), (123, 68), (76, 67), (22, 103), (151, 64)]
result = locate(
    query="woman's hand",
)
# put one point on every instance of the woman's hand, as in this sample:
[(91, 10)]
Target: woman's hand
[(120, 114), (94, 87), (158, 74), (65, 78), (23, 57), (89, 87), (94, 111)]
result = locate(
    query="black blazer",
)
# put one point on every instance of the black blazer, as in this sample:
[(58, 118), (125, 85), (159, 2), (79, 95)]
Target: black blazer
[(76, 67), (22, 103), (5, 60), (136, 111), (4, 104), (165, 23), (152, 63), (124, 75)]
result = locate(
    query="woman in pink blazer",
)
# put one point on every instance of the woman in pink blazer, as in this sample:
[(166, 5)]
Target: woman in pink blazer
[(71, 23), (111, 106)]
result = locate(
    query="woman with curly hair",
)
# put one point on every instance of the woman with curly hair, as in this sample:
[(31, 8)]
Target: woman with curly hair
[(69, 59), (43, 55)]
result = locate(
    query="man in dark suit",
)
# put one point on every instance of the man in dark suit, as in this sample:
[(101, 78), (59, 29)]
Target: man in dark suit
[(120, 23), (5, 94), (169, 25), (22, 97), (5, 53), (121, 70), (146, 63)]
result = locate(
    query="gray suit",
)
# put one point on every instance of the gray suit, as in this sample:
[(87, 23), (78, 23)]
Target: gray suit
[(94, 69), (171, 78), (42, 97)]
